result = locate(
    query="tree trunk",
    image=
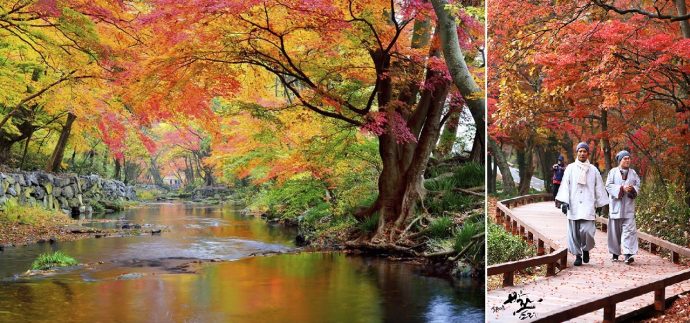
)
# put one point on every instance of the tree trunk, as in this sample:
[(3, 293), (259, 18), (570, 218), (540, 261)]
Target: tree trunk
[(491, 169), (189, 169), (525, 161), (118, 169), (684, 24), (478, 148), (400, 182), (56, 158), (568, 147), (606, 143), (449, 136), (26, 149), (460, 73), (73, 159), (421, 35), (155, 172), (125, 170), (5, 149), (497, 153), (547, 157)]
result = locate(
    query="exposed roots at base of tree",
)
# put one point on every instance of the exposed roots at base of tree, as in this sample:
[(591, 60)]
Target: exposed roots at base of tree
[(411, 250)]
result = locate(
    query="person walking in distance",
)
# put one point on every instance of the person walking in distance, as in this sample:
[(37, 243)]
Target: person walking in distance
[(623, 185), (581, 193), (558, 170)]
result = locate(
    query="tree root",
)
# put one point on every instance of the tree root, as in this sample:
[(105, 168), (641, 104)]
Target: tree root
[(382, 247), (466, 191), (476, 238)]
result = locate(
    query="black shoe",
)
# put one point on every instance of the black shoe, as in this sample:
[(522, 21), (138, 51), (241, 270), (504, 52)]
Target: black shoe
[(629, 259), (585, 256), (614, 258), (578, 261)]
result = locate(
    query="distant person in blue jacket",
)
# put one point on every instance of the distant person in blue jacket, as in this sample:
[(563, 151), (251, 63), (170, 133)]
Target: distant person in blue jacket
[(558, 170)]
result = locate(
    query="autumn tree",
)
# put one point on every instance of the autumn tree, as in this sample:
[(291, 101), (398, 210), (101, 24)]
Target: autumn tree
[(359, 64), (52, 50), (617, 77)]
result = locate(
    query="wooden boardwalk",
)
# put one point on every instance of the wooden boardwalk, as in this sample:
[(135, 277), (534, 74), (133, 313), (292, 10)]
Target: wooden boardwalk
[(598, 278)]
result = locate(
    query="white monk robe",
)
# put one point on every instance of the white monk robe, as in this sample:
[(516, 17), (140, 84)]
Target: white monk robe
[(622, 229), (584, 193)]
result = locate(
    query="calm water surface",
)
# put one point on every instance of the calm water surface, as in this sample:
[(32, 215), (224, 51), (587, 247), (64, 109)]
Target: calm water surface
[(140, 279)]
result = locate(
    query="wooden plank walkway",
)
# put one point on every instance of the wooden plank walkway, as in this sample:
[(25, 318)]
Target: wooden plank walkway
[(598, 278)]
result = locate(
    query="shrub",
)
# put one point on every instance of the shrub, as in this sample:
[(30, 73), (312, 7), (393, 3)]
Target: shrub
[(147, 195), (662, 212), (441, 184), (316, 213), (370, 224), (292, 198), (475, 253), (469, 175), (440, 227), (504, 247), (51, 260), (97, 207), (448, 201)]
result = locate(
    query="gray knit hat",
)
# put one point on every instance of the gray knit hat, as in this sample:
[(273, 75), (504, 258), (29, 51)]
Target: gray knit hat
[(582, 145), (621, 154)]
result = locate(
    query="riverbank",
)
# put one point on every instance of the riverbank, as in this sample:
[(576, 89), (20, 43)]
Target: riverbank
[(15, 234), (63, 228)]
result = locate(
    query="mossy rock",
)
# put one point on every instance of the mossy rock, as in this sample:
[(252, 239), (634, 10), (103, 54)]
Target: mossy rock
[(49, 188)]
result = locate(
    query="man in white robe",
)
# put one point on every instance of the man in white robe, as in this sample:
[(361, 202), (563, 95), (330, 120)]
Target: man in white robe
[(581, 193), (623, 185)]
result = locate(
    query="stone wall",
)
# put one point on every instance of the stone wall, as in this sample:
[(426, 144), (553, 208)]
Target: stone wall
[(70, 193)]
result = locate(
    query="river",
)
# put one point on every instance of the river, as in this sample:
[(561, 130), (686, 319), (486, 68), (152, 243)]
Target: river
[(156, 279)]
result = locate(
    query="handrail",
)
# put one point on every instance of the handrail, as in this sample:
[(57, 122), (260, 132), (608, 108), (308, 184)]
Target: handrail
[(505, 216), (655, 243), (508, 269), (608, 302), (555, 258)]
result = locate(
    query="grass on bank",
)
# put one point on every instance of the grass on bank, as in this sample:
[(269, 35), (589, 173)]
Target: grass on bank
[(15, 213), (51, 260)]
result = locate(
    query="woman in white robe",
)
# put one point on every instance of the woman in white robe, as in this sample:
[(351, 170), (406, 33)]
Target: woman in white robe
[(623, 185)]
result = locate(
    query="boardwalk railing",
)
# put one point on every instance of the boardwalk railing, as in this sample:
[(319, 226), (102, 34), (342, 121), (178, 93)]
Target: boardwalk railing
[(505, 217), (655, 243), (555, 258), (608, 302)]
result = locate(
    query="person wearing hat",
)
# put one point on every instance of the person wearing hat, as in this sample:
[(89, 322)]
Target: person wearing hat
[(558, 170), (623, 185), (581, 193)]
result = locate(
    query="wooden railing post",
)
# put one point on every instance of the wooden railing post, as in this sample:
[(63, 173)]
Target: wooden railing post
[(550, 269), (660, 299), (508, 279), (540, 247), (610, 313)]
